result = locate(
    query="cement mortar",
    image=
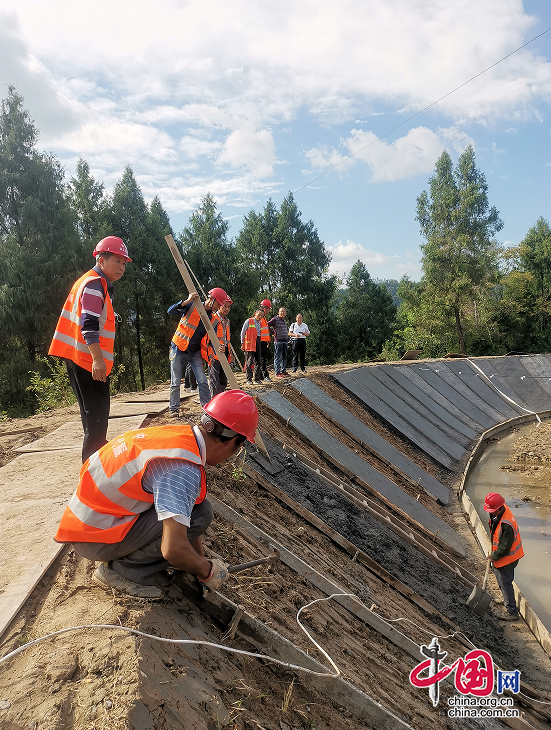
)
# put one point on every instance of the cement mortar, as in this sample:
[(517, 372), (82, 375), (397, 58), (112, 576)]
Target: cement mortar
[(434, 584)]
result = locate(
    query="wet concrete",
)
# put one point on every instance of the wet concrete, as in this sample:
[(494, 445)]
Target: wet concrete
[(533, 518), (434, 584)]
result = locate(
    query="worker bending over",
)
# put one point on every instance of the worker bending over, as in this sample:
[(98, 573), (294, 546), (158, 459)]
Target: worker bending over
[(506, 549), (140, 506), (186, 345), (85, 338)]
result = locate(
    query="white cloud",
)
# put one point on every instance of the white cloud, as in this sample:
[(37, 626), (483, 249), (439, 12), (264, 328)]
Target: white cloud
[(251, 148), (345, 255)]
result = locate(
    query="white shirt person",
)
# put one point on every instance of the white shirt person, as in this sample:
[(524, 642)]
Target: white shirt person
[(298, 332)]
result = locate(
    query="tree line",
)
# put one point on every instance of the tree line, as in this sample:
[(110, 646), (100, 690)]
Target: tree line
[(473, 295)]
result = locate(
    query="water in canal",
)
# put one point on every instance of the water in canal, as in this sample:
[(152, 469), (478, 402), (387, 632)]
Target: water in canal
[(533, 573)]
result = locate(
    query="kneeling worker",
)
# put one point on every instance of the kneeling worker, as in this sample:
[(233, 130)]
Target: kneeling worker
[(140, 506), (506, 549)]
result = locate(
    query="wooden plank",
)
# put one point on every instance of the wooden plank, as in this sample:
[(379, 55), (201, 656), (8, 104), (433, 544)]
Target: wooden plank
[(438, 435), (336, 689), (340, 540), (433, 374), (411, 389), (370, 440), (354, 465), (318, 580), (70, 435), (352, 385)]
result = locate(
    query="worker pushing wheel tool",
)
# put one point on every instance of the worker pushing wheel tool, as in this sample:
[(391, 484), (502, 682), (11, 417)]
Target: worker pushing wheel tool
[(506, 550), (141, 503), (85, 338)]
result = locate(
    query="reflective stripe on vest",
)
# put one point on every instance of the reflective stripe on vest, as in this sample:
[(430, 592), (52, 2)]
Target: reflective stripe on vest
[(110, 496), (264, 330), (207, 351), (250, 336), (68, 341), (186, 329), (515, 552)]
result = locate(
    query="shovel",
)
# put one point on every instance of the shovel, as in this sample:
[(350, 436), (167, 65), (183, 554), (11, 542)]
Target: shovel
[(479, 601)]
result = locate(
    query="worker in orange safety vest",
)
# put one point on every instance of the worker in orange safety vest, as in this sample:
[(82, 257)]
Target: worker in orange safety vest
[(506, 550), (85, 339), (141, 503), (250, 344), (221, 325), (265, 338)]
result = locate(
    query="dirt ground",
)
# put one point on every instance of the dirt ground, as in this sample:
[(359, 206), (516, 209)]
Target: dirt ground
[(108, 680), (531, 458)]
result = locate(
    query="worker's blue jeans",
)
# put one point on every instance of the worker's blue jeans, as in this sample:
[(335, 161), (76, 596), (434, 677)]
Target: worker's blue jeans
[(280, 357), (178, 360), (505, 577)]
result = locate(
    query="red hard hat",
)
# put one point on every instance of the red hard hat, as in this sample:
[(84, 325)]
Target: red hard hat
[(112, 244), (235, 409), (218, 294), (493, 502), (228, 300), (266, 303)]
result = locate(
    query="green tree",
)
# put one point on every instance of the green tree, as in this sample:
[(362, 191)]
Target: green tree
[(89, 204), (535, 257), (460, 255), (149, 282), (365, 316), (40, 252)]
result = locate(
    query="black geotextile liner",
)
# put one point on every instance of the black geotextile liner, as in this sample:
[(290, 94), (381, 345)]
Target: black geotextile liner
[(435, 584)]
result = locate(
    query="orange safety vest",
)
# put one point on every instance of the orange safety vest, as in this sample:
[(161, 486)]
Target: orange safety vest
[(207, 350), (516, 552), (186, 328), (110, 497), (250, 336), (264, 330), (68, 341)]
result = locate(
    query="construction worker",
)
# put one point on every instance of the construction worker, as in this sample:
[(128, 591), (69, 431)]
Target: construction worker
[(278, 326), (140, 506), (85, 339), (506, 550), (186, 345), (250, 344), (221, 325), (265, 338)]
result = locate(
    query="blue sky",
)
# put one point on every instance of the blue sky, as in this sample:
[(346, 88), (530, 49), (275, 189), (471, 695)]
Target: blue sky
[(248, 100)]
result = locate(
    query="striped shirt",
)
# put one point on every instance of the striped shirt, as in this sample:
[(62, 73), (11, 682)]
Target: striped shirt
[(91, 307), (175, 484)]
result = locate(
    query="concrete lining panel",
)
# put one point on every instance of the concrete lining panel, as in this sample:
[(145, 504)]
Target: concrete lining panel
[(519, 380), (484, 393), (388, 452), (434, 395), (539, 367), (436, 376), (437, 434), (70, 435), (355, 465), (403, 384), (487, 367), (349, 381)]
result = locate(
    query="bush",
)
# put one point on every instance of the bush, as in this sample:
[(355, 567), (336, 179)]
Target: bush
[(54, 390)]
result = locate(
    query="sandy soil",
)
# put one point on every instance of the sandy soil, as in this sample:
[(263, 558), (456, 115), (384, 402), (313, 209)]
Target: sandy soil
[(531, 458)]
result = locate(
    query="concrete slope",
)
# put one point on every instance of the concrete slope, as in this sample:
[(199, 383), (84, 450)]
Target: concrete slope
[(373, 441), (405, 389), (413, 432), (527, 389), (483, 394), (354, 464), (437, 375), (539, 367)]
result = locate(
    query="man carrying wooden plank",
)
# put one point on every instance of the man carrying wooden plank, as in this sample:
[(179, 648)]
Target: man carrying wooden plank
[(265, 339), (250, 344), (140, 506), (221, 325), (85, 339), (186, 345)]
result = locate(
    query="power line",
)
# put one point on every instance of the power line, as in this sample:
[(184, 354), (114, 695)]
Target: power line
[(378, 139)]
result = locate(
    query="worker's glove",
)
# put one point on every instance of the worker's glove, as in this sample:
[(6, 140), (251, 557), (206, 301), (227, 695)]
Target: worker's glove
[(218, 575)]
